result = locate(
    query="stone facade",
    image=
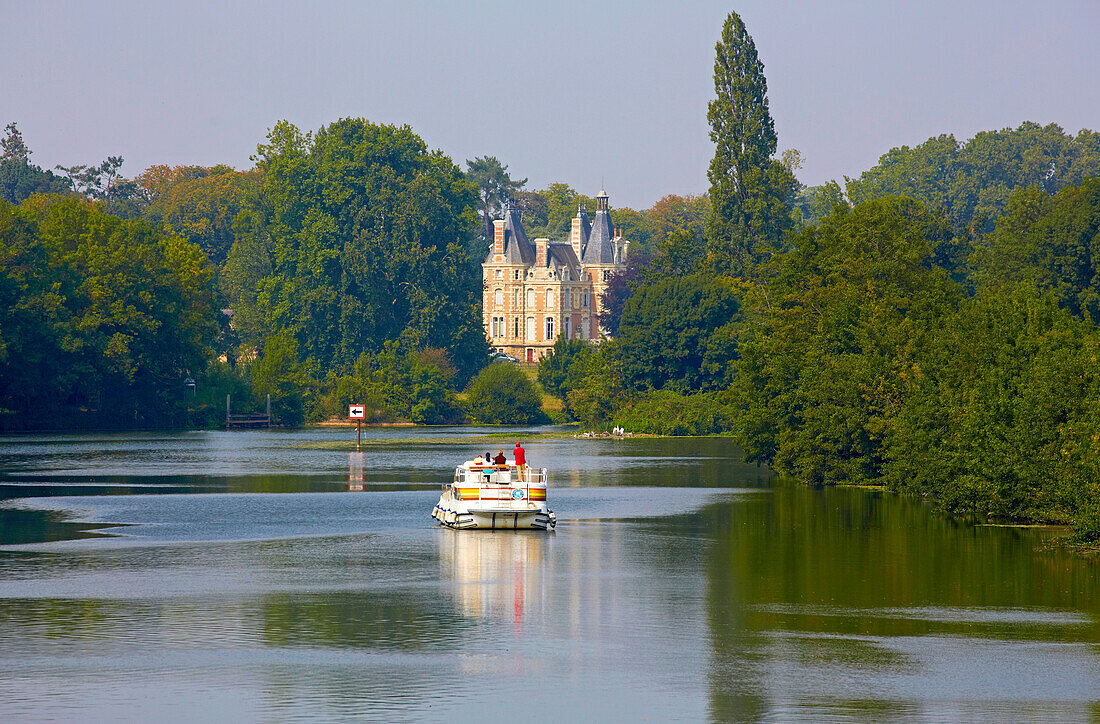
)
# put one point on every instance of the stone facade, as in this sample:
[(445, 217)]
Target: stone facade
[(535, 292)]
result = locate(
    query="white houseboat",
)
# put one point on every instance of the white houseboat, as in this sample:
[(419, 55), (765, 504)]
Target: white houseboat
[(485, 495)]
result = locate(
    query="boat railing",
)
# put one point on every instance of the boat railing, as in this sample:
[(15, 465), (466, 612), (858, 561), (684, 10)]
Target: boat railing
[(523, 479)]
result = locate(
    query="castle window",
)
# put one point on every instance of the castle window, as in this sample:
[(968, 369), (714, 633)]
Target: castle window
[(606, 274), (584, 299), (499, 272), (549, 299), (515, 328), (516, 299), (516, 275), (565, 276), (565, 327), (498, 298), (549, 328), (531, 328), (531, 298)]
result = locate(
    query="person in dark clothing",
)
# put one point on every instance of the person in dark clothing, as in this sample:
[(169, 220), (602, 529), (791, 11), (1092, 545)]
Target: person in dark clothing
[(500, 459)]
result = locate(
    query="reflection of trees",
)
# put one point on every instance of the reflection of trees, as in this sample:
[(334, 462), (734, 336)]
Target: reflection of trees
[(18, 527), (400, 619), (853, 563)]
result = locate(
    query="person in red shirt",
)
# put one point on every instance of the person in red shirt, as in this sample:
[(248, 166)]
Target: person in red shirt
[(521, 459)]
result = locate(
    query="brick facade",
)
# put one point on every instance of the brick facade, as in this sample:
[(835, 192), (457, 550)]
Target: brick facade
[(535, 292)]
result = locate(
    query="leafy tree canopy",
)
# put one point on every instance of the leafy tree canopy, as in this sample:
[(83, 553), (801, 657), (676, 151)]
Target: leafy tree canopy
[(19, 178), (200, 204), (972, 181), (677, 334), (502, 394), (355, 236), (1051, 241), (749, 190), (97, 314)]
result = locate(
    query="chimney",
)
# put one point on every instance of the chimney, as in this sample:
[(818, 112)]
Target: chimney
[(575, 235), (540, 253), (498, 236)]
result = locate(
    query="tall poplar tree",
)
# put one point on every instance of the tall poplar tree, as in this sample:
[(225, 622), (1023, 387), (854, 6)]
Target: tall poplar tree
[(750, 190)]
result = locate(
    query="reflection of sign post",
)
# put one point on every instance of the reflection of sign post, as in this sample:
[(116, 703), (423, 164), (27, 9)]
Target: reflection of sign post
[(357, 413)]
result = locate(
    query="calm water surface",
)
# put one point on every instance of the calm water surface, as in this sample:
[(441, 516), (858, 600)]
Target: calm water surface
[(235, 576)]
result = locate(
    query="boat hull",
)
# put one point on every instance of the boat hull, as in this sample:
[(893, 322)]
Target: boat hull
[(455, 514)]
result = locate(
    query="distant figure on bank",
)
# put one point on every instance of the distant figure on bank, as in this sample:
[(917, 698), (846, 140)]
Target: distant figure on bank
[(500, 459)]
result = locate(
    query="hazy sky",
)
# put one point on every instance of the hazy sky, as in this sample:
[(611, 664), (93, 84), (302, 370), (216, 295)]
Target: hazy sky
[(559, 91)]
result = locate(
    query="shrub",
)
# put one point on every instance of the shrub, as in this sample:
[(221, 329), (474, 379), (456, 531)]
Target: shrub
[(502, 394)]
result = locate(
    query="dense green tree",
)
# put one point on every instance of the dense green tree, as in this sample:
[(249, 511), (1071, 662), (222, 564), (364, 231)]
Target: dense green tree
[(495, 186), (678, 254), (19, 178), (561, 370), (749, 190), (102, 317), (971, 182), (356, 236), (678, 334), (280, 372), (200, 204), (502, 394), (397, 384), (618, 291), (854, 299), (814, 203), (561, 201), (1051, 241), (597, 387), (990, 402)]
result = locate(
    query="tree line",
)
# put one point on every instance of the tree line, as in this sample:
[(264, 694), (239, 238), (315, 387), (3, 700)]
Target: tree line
[(930, 326)]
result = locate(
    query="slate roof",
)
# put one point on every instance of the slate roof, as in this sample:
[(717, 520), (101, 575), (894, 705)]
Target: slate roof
[(599, 249), (586, 227), (563, 253), (517, 249)]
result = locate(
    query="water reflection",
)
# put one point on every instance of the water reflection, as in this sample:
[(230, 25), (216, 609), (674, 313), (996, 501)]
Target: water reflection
[(497, 574), (264, 595)]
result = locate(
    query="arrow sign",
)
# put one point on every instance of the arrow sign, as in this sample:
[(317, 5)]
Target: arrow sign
[(357, 412)]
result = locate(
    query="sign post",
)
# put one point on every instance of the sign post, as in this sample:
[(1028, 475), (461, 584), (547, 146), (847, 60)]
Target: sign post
[(357, 413)]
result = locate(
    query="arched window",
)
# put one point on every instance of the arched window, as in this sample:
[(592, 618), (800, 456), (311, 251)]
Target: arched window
[(498, 298)]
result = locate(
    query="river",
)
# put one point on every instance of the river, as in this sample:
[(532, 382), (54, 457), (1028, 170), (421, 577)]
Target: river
[(267, 576)]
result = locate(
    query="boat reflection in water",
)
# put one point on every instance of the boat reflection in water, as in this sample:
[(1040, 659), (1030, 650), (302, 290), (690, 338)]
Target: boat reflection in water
[(497, 575)]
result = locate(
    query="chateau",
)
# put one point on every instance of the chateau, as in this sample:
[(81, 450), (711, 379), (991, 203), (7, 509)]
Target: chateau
[(533, 293)]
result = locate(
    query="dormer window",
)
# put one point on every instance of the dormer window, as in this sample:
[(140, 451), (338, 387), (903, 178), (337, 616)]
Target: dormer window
[(565, 275), (499, 273)]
